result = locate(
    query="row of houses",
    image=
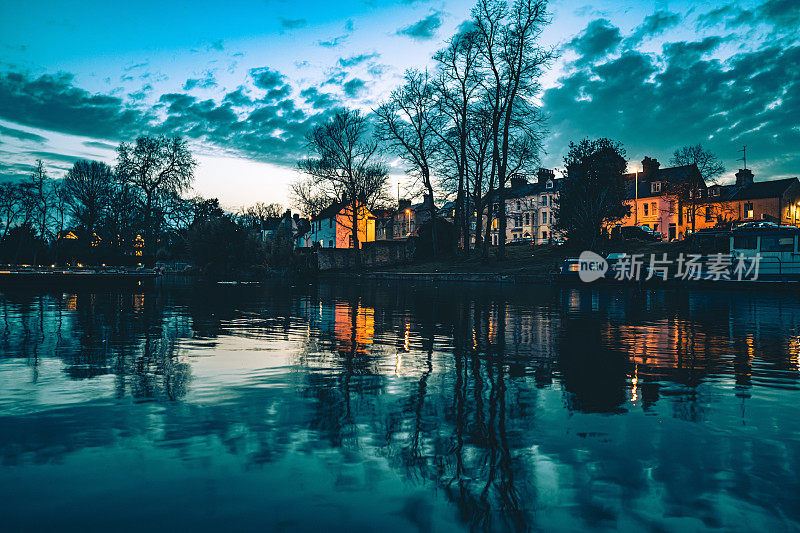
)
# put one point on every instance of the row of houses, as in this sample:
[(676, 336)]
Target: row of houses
[(673, 201), (676, 201)]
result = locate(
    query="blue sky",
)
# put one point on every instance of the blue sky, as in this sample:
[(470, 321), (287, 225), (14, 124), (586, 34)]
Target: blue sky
[(244, 80)]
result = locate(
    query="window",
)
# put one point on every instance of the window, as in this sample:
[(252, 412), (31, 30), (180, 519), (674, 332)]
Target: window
[(713, 191), (748, 210), (549, 185), (519, 206), (708, 213), (544, 217), (544, 200), (330, 244), (776, 243), (653, 209), (527, 219), (646, 206), (330, 222), (494, 223), (743, 242), (655, 186), (544, 235)]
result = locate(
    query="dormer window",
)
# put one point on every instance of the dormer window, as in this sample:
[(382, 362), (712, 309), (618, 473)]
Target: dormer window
[(655, 186), (713, 191), (549, 184)]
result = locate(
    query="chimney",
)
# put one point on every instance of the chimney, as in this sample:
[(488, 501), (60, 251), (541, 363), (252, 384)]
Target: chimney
[(518, 181), (296, 217), (744, 177), (544, 174), (403, 204), (650, 167)]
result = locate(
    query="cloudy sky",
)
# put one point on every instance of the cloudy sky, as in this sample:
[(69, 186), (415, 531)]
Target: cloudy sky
[(245, 80)]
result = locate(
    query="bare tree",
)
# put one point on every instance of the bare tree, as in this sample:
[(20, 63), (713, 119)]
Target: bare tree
[(345, 166), (455, 87), (38, 199), (154, 167), (709, 167), (260, 211), (405, 124), (707, 163), (513, 62), (87, 190), (12, 207), (307, 197)]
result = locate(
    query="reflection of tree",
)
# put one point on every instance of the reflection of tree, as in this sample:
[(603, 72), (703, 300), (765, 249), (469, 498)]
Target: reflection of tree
[(473, 393), (96, 334)]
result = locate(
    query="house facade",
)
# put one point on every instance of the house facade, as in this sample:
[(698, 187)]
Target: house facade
[(409, 217), (332, 227), (658, 197), (676, 201), (530, 209)]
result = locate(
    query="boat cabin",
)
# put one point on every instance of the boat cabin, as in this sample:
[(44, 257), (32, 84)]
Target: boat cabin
[(777, 246)]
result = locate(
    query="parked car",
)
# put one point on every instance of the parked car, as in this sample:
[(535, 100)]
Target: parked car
[(520, 241), (626, 233), (651, 231), (755, 225)]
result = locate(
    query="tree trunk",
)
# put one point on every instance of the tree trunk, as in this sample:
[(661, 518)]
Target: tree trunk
[(354, 233), (432, 211)]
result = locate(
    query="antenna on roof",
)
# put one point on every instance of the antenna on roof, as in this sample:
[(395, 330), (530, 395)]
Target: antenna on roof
[(743, 159)]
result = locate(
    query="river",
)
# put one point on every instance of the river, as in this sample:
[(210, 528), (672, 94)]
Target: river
[(347, 406)]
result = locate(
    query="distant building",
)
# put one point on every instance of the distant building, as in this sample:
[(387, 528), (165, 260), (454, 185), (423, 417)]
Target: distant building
[(409, 217), (530, 209), (332, 227), (657, 196), (675, 200)]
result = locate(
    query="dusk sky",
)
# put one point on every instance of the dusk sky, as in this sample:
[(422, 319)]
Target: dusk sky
[(245, 80)]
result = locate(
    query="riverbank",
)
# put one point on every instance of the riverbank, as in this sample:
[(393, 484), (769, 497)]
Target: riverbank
[(523, 264)]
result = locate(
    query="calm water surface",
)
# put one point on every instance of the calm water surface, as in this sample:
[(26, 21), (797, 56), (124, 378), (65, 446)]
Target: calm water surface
[(396, 407)]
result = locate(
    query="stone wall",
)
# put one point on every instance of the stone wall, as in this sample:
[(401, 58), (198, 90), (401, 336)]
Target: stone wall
[(373, 255)]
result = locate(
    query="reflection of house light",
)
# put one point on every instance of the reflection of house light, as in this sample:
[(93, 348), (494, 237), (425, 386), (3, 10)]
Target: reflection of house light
[(398, 364), (405, 337), (635, 384)]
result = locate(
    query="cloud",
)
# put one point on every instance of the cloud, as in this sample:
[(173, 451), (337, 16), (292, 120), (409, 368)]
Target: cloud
[(52, 102), (291, 24), (423, 29), (334, 42), (354, 87), (263, 123), (783, 15), (653, 25), (218, 45), (266, 78), (101, 145), (21, 135), (598, 39), (319, 100), (357, 60), (206, 82), (684, 94)]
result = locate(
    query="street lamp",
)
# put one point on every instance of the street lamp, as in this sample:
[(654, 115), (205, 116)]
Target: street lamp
[(636, 198)]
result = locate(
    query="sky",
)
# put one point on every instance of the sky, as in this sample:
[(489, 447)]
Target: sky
[(244, 81)]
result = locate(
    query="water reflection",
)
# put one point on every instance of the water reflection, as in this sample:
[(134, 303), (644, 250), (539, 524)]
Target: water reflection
[(455, 407)]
